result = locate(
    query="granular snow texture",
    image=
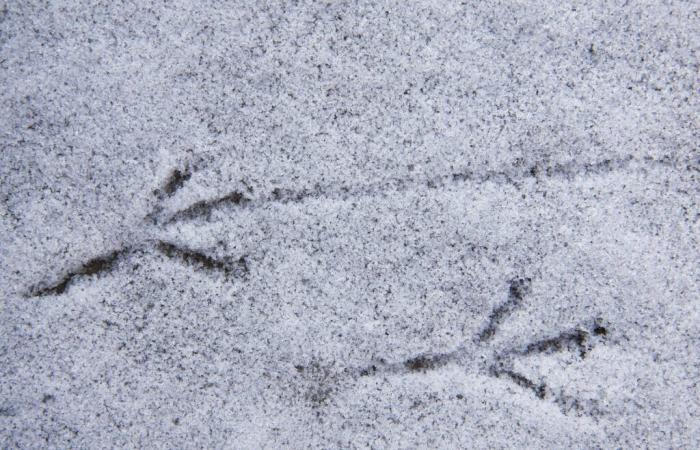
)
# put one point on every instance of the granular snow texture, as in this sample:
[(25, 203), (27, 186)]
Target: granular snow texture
[(349, 224)]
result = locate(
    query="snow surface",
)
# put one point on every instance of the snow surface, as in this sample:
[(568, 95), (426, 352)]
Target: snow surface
[(349, 224)]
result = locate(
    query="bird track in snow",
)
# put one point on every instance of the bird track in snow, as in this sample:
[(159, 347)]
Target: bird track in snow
[(579, 341)]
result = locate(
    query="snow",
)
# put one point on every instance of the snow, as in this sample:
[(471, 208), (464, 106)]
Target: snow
[(289, 226)]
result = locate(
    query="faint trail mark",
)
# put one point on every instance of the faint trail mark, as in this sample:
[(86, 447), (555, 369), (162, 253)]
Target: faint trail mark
[(515, 176)]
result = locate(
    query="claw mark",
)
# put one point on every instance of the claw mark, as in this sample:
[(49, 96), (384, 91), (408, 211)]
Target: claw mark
[(573, 340), (518, 289), (178, 177), (237, 268), (540, 390), (599, 329), (94, 266), (103, 264), (205, 207), (579, 341), (176, 181)]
